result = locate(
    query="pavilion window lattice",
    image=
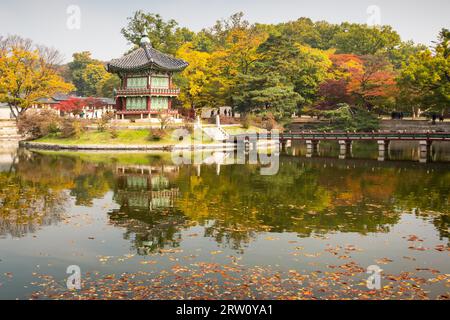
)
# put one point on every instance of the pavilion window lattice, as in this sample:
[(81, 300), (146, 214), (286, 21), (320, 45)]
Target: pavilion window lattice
[(136, 103), (160, 82), (160, 103), (137, 82)]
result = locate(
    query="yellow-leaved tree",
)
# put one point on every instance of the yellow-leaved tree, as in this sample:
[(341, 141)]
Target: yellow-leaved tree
[(27, 74), (195, 78)]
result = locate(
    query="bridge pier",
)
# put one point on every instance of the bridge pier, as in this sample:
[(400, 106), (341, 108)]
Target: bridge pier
[(345, 148), (383, 148), (424, 150), (312, 148), (285, 144)]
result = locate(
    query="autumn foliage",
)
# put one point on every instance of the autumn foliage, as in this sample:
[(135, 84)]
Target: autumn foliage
[(75, 105), (364, 81)]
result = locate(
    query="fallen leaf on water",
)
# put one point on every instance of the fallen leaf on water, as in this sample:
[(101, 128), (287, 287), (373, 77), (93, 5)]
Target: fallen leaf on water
[(383, 261)]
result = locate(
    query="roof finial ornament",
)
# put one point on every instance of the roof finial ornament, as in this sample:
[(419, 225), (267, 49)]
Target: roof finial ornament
[(145, 41)]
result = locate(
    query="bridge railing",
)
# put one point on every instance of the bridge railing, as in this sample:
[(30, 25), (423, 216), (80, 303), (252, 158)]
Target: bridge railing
[(365, 136), (303, 135)]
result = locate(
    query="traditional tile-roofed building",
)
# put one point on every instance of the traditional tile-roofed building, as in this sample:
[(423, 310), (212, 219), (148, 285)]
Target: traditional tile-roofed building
[(90, 112), (146, 87)]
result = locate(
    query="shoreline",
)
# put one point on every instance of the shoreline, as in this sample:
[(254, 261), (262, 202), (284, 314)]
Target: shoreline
[(162, 147), (228, 146)]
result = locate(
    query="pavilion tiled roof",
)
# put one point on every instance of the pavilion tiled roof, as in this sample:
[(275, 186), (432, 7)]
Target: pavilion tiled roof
[(146, 57)]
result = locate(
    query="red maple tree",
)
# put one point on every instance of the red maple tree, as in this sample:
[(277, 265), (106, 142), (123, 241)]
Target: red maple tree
[(73, 105), (360, 80)]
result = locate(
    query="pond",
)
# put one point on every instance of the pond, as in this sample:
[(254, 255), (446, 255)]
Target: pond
[(140, 227)]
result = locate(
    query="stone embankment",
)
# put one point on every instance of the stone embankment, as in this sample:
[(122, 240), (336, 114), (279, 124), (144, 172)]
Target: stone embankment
[(8, 131)]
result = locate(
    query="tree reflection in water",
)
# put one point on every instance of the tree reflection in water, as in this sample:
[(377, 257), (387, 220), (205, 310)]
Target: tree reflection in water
[(26, 205), (158, 200)]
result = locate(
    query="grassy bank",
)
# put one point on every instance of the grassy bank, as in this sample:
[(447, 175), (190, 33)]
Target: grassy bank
[(95, 137), (130, 137)]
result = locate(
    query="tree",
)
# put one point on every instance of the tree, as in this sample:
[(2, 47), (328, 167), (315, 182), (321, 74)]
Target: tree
[(27, 74), (89, 75), (365, 40), (106, 86), (75, 105), (194, 78), (332, 93), (425, 78), (317, 35), (165, 36), (76, 70), (72, 106), (211, 77), (266, 92), (301, 66), (375, 85), (399, 55), (93, 75), (369, 82)]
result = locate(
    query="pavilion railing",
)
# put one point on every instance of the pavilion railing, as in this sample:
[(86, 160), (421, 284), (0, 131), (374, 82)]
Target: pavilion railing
[(147, 91)]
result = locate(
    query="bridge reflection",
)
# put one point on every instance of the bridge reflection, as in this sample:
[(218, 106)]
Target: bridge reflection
[(380, 151)]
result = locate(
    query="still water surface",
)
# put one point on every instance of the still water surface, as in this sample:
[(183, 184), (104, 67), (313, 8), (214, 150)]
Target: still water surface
[(140, 227)]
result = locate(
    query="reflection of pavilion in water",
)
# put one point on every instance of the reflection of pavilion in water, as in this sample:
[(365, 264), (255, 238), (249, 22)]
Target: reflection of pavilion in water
[(145, 187), (146, 200)]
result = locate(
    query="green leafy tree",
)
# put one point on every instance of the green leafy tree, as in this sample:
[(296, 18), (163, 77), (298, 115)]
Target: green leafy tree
[(266, 92), (303, 67), (92, 76), (89, 75), (165, 36), (106, 86), (425, 79), (363, 40)]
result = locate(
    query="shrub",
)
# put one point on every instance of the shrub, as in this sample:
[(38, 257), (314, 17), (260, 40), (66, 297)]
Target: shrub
[(229, 120), (346, 118), (53, 128), (246, 121), (113, 133), (36, 124), (102, 123), (189, 127), (165, 119), (269, 122), (72, 128), (156, 134)]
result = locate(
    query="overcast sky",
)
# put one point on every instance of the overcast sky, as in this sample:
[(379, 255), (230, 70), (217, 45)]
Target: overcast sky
[(46, 21)]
